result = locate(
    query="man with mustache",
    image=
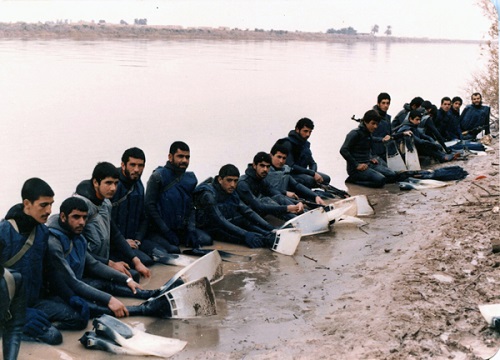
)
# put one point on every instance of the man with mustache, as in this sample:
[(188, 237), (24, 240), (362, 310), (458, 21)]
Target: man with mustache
[(169, 203), (475, 118), (260, 195), (221, 213), (128, 201)]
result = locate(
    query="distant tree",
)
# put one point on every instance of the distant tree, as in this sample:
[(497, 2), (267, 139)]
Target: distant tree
[(140, 21), (388, 31), (374, 29), (485, 81), (123, 22), (344, 31)]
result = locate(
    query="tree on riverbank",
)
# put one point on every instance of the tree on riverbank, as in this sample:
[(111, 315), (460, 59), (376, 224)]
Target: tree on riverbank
[(486, 81)]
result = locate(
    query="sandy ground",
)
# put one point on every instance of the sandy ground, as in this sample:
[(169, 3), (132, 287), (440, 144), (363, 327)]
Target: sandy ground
[(404, 286)]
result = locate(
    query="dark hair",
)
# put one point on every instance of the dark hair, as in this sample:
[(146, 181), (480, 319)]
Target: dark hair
[(414, 114), (103, 170), (279, 147), (228, 170), (73, 203), (417, 101), (426, 105), (433, 111), (135, 153), (34, 188), (178, 145), (446, 98), (476, 94), (383, 96), (304, 122), (457, 98), (371, 115), (262, 157)]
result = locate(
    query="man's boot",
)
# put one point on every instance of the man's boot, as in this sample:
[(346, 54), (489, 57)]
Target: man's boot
[(157, 307)]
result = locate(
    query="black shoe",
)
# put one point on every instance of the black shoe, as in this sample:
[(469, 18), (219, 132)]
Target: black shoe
[(157, 307)]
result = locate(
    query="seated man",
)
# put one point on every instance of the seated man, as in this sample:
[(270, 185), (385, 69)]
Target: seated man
[(82, 282), (12, 312), (23, 244), (475, 118), (414, 104), (452, 130), (384, 127), (425, 144), (300, 158), (128, 201), (279, 177), (221, 213), (260, 196), (362, 167), (105, 242), (169, 203)]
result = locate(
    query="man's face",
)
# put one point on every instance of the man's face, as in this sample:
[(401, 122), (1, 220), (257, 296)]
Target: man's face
[(476, 100), (304, 133), (228, 183), (384, 104), (446, 105), (415, 120), (75, 221), (456, 105), (39, 209), (278, 159), (133, 168), (371, 126), (180, 159), (261, 169), (107, 188)]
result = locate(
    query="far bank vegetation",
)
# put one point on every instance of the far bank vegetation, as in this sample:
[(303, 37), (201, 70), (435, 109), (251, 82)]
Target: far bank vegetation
[(140, 30)]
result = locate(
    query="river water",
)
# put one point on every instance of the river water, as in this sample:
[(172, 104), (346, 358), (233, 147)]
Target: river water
[(65, 105)]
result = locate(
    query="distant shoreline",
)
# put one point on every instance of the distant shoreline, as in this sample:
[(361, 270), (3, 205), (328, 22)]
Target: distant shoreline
[(105, 31)]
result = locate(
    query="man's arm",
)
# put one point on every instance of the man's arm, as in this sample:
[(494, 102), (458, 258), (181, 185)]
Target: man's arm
[(153, 192), (248, 198)]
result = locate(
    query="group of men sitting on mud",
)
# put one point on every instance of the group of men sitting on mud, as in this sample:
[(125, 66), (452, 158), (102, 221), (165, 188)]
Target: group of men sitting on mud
[(70, 266)]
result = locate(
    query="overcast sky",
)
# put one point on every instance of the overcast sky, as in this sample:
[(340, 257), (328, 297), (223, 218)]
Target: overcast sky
[(452, 19)]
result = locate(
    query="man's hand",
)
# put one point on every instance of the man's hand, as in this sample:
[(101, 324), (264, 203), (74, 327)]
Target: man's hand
[(295, 209), (292, 195), (117, 307), (318, 200), (141, 268), (37, 322), (133, 285), (362, 167), (407, 133), (318, 178), (374, 161), (134, 244), (121, 266), (386, 138)]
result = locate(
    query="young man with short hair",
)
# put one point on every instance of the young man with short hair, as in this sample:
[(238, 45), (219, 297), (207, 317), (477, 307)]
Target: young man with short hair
[(169, 203), (105, 242), (82, 282), (300, 158), (414, 104), (23, 244), (128, 201), (383, 131), (425, 144), (260, 196), (221, 213), (279, 177), (475, 118), (363, 167)]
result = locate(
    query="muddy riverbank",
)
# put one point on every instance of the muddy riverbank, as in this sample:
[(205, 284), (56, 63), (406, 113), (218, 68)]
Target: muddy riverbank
[(405, 286)]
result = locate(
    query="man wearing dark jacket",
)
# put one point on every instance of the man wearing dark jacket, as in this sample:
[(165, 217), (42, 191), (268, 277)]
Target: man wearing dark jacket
[(260, 196), (221, 213), (384, 127), (403, 114), (300, 158), (169, 203), (362, 167), (475, 118), (105, 241), (128, 201)]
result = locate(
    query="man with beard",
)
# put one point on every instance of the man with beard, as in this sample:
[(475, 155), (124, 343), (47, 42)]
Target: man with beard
[(23, 244), (128, 201), (169, 203), (105, 241), (260, 195), (83, 283), (475, 118), (300, 158), (221, 213), (383, 131), (452, 131)]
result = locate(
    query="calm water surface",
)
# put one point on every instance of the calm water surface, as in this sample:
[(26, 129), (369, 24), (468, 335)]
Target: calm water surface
[(66, 105)]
